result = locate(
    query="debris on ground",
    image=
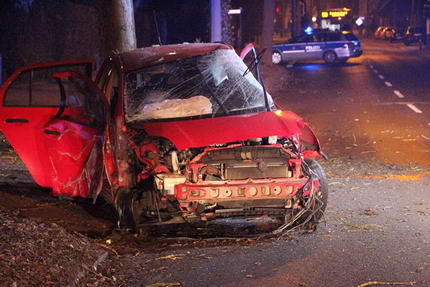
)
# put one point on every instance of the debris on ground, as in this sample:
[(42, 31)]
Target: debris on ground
[(40, 254)]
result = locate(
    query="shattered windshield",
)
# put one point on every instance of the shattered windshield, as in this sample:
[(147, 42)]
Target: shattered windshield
[(207, 85)]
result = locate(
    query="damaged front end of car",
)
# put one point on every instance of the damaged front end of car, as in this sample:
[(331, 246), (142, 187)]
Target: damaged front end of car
[(205, 141)]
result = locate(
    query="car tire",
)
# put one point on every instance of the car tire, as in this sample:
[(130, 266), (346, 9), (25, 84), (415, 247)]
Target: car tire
[(276, 58), (319, 206), (330, 57)]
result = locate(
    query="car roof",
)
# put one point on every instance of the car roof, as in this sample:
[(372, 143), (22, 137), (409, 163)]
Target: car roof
[(149, 56)]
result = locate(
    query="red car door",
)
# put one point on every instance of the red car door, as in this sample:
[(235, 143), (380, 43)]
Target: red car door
[(54, 118)]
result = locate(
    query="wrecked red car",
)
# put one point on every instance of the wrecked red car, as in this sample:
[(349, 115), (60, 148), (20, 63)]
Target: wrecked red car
[(165, 134)]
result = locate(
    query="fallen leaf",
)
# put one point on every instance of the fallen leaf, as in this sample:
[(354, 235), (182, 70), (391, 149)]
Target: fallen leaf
[(369, 212)]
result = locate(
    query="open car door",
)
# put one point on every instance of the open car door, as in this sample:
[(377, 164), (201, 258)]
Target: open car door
[(53, 116)]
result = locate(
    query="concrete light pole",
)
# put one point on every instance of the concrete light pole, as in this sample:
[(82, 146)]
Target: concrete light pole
[(215, 20), (267, 31)]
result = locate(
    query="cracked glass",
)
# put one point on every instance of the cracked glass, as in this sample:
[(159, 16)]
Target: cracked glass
[(215, 84)]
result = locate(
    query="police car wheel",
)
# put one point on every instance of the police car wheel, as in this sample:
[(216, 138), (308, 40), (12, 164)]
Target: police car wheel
[(276, 58), (330, 57)]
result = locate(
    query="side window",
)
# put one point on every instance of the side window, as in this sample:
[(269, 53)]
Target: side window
[(33, 88), (304, 39), (82, 97), (38, 88), (333, 37), (300, 39), (314, 38), (18, 93), (292, 40), (318, 37)]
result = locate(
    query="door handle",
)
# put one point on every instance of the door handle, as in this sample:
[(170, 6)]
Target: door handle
[(51, 132), (10, 121)]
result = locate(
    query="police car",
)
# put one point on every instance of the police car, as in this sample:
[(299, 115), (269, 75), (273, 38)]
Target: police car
[(324, 45)]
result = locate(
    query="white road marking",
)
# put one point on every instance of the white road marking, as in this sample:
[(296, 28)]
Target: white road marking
[(388, 84), (371, 66), (376, 71), (414, 108), (397, 93), (381, 77)]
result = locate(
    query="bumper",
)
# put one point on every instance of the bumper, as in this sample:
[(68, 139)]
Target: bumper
[(356, 53), (250, 197), (219, 191)]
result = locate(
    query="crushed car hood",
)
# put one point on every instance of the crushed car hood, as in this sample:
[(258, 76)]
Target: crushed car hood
[(210, 131)]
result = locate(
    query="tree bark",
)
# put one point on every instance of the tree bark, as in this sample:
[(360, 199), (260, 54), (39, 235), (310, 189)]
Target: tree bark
[(267, 31), (123, 25)]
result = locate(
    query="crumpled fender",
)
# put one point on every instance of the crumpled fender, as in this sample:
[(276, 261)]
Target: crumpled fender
[(311, 144)]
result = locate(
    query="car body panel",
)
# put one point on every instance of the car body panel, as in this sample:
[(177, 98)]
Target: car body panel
[(59, 152), (211, 131)]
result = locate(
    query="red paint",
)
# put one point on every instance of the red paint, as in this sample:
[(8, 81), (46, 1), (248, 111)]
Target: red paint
[(69, 155), (246, 50), (28, 139), (59, 153), (209, 131)]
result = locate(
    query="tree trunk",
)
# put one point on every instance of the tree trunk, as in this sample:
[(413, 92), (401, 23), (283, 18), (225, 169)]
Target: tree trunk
[(267, 31), (123, 25)]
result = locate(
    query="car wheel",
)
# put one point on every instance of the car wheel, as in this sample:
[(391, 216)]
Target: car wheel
[(319, 203), (311, 206), (276, 58), (330, 57)]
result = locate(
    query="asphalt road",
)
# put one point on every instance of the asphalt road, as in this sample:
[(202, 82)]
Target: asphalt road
[(372, 116)]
